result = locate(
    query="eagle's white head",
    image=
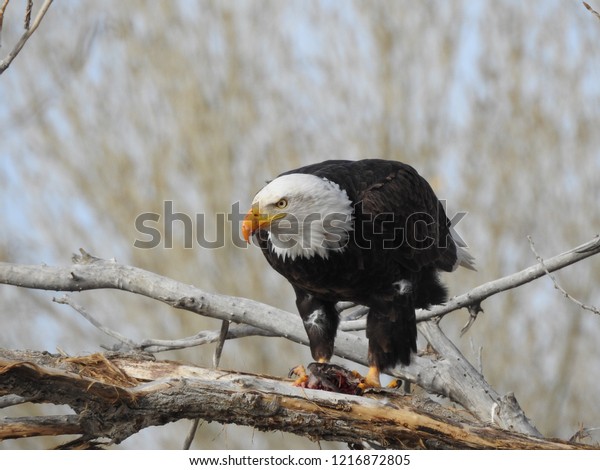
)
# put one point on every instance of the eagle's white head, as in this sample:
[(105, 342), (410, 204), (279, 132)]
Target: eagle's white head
[(305, 216)]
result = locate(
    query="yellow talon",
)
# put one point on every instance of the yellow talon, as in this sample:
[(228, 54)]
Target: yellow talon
[(371, 380), (300, 371), (395, 383)]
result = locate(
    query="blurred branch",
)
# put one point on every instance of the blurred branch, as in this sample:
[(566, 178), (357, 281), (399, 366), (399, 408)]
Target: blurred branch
[(116, 396), (449, 375), (27, 21), (2, 10), (4, 64), (594, 12)]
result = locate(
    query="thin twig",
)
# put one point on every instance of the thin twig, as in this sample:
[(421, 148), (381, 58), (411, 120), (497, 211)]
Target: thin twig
[(4, 64), (582, 433), (27, 21), (2, 9), (590, 308), (221, 343), (161, 345), (478, 294), (202, 337), (65, 299), (474, 311), (191, 434), (594, 12)]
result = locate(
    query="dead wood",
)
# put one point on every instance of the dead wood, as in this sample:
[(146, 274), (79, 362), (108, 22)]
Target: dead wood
[(115, 395)]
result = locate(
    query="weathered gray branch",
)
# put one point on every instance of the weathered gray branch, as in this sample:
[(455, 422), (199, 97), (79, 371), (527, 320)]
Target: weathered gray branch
[(160, 345), (115, 396), (449, 375), (482, 292)]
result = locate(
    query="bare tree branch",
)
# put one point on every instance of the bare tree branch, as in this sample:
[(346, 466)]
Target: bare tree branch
[(220, 343), (189, 438), (557, 286), (66, 300), (478, 294), (235, 331), (2, 10), (161, 345), (115, 397), (27, 21), (4, 64), (594, 12), (94, 273), (453, 376), (450, 374)]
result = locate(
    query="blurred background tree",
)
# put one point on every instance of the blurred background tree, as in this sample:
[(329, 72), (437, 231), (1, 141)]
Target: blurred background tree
[(114, 107)]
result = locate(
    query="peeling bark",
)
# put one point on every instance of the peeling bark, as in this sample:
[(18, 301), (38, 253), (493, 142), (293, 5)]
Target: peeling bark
[(116, 395)]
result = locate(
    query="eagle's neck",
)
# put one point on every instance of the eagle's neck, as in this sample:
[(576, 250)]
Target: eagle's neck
[(321, 227)]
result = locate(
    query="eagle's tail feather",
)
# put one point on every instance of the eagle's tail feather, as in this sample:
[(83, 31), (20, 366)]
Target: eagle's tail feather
[(464, 259)]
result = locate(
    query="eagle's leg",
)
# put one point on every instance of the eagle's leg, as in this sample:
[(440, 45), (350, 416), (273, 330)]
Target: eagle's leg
[(320, 320), (392, 332)]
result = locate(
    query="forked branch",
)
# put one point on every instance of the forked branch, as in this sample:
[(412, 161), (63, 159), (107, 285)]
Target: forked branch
[(448, 374), (29, 30)]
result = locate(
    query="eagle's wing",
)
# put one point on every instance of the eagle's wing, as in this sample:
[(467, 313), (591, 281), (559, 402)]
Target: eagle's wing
[(402, 214)]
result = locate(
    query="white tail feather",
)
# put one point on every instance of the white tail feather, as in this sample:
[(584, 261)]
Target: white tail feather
[(464, 259)]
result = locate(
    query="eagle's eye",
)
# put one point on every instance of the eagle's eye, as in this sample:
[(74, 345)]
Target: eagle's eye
[(281, 204)]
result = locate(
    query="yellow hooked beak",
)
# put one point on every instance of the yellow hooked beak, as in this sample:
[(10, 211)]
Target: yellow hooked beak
[(254, 221)]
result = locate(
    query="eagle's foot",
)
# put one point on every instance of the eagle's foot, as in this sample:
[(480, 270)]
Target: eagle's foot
[(371, 380), (300, 372), (395, 383)]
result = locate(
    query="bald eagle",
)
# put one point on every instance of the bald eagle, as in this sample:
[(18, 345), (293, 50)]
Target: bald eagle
[(371, 232)]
